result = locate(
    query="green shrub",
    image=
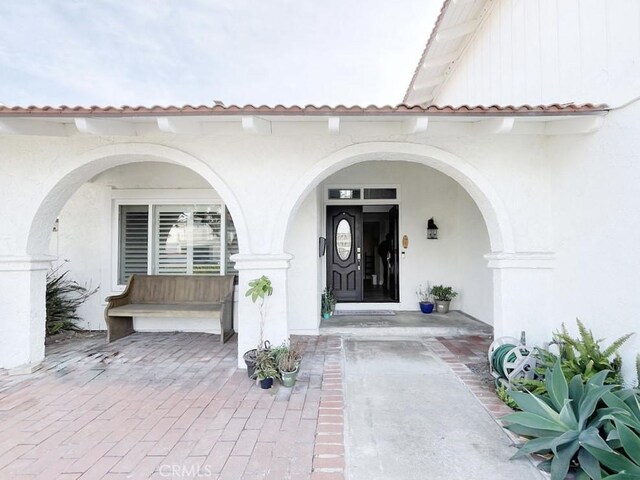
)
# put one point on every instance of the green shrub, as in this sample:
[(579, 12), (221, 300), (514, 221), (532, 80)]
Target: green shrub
[(266, 366), (63, 298), (443, 294)]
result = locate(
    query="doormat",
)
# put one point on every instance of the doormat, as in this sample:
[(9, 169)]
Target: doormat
[(363, 313)]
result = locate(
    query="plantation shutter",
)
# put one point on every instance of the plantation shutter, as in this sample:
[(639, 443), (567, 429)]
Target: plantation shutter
[(232, 244), (187, 240), (172, 242), (134, 241), (206, 232)]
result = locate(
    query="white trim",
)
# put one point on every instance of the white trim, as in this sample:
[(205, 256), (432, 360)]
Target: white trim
[(265, 261), (545, 260), (160, 196), (223, 241), (361, 202), (10, 263)]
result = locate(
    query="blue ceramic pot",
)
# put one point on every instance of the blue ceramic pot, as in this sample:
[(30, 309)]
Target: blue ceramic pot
[(426, 307)]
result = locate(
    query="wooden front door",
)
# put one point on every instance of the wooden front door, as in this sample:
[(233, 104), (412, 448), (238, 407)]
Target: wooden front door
[(344, 252)]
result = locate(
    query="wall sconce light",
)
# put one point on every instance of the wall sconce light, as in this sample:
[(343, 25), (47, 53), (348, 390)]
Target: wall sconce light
[(432, 230)]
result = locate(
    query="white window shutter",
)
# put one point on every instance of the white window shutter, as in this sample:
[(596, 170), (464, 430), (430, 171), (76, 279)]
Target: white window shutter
[(134, 237), (206, 229), (172, 241)]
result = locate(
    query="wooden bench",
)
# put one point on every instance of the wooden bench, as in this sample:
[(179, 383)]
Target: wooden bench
[(172, 296)]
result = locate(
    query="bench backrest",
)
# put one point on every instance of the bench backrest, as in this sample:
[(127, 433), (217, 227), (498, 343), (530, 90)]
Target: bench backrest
[(179, 289)]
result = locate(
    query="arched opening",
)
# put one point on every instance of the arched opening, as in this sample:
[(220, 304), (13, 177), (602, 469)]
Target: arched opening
[(429, 183), (137, 209)]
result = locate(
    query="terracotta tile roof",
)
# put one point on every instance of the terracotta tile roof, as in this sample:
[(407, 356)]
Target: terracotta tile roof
[(308, 110)]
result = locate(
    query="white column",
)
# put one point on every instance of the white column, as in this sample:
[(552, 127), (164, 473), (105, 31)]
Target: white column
[(522, 289), (22, 310), (276, 330)]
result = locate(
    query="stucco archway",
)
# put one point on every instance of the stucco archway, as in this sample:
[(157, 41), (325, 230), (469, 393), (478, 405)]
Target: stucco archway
[(479, 188), (24, 339), (84, 167)]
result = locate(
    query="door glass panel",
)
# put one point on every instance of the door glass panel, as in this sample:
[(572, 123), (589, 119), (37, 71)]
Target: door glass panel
[(343, 239)]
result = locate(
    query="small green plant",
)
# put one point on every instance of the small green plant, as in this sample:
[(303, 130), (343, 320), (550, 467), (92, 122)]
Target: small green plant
[(585, 356), (266, 365), (63, 298), (563, 424), (503, 394), (443, 294), (424, 293), (259, 290), (288, 357), (328, 301)]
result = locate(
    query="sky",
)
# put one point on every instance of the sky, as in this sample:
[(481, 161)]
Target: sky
[(162, 52)]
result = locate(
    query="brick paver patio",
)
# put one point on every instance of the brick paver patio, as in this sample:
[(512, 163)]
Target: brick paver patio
[(170, 405)]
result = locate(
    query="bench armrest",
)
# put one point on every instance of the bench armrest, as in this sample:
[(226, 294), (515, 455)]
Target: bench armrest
[(121, 296), (226, 316)]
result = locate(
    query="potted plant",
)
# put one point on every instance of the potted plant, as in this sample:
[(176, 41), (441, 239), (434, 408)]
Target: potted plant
[(425, 298), (443, 296), (265, 368), (288, 360), (259, 290), (328, 303)]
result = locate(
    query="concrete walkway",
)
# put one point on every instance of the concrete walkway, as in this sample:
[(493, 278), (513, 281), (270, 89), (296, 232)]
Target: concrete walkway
[(408, 416)]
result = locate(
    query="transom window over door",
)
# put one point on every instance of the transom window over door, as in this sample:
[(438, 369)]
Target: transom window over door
[(175, 240)]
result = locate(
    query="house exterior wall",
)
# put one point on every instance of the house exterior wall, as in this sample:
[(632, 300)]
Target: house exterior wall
[(541, 237), (550, 51), (597, 230)]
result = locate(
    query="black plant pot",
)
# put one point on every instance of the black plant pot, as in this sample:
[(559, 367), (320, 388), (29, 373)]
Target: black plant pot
[(266, 383), (250, 360)]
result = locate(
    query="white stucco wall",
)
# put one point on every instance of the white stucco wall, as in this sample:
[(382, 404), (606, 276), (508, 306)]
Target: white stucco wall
[(550, 51), (303, 289), (597, 231), (456, 258)]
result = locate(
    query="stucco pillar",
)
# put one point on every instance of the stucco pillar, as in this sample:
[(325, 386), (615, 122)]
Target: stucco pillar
[(22, 310), (522, 286), (276, 331)]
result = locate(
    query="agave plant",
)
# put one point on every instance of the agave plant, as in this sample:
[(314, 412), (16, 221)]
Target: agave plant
[(563, 423), (625, 464)]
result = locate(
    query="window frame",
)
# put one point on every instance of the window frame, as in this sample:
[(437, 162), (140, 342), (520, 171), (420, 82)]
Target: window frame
[(153, 198), (361, 200)]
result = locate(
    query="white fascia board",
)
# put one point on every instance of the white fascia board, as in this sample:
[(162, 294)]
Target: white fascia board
[(429, 83), (573, 126), (458, 31), (20, 126)]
